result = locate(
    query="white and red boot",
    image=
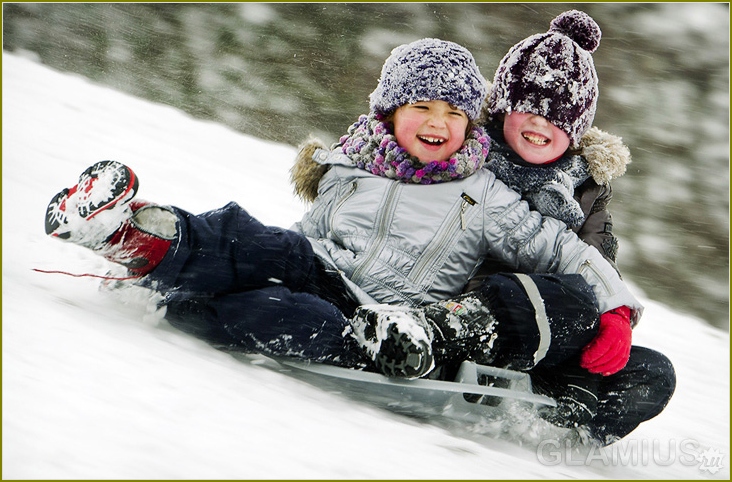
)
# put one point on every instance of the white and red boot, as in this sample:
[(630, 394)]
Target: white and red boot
[(99, 213)]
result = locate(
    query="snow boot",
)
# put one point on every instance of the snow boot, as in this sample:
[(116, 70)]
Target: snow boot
[(99, 213), (88, 213), (572, 387), (464, 328), (408, 342), (398, 340)]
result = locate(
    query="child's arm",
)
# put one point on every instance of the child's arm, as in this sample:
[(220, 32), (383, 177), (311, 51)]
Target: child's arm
[(523, 238), (597, 229), (607, 157)]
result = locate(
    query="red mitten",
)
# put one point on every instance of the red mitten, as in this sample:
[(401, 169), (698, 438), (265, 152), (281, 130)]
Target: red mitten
[(609, 351)]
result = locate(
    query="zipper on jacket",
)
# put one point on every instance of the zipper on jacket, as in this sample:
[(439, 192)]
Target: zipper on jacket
[(437, 247), (341, 201), (383, 225), (467, 201), (587, 264)]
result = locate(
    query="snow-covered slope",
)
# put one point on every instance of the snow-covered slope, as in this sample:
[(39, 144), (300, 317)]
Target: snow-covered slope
[(95, 386)]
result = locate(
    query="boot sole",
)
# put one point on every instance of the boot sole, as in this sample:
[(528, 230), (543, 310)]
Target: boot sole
[(400, 357), (125, 189)]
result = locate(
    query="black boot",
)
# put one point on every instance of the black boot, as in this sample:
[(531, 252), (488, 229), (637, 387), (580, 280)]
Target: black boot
[(464, 328), (398, 340), (408, 342), (572, 387)]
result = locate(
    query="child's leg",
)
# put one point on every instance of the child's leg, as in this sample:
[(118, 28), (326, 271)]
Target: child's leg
[(271, 321), (573, 388), (218, 252), (227, 250), (542, 318), (635, 394), (516, 321)]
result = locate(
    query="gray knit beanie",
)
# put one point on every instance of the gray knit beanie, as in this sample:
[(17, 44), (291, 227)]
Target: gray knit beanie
[(429, 69), (552, 75)]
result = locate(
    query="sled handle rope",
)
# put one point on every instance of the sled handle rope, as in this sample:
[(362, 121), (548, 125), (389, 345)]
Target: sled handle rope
[(85, 275)]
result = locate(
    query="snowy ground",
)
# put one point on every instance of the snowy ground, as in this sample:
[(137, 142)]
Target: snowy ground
[(95, 386)]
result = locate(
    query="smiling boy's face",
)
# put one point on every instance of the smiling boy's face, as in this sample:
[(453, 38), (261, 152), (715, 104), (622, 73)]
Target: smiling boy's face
[(534, 138), (430, 130)]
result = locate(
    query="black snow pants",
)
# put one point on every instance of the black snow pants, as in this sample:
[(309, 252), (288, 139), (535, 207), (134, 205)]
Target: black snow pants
[(243, 286)]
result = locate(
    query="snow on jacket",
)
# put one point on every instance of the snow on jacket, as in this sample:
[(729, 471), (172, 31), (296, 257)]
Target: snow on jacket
[(410, 244)]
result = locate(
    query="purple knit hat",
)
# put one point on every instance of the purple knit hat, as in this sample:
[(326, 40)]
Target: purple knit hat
[(429, 69), (552, 75)]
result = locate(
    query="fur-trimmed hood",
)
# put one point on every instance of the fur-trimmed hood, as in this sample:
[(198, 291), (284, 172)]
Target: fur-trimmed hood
[(605, 153), (305, 174)]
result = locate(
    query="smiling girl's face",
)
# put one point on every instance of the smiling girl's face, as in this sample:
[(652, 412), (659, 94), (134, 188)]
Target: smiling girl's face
[(430, 130)]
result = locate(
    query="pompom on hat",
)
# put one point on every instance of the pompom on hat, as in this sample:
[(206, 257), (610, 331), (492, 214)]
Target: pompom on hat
[(552, 75), (429, 69)]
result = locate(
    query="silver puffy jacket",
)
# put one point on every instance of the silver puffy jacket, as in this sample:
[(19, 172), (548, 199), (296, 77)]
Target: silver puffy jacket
[(413, 244)]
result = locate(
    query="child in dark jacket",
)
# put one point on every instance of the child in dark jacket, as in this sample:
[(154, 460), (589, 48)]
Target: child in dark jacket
[(539, 113)]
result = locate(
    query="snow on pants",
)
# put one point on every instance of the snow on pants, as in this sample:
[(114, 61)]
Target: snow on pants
[(635, 394), (244, 286), (272, 321), (541, 318)]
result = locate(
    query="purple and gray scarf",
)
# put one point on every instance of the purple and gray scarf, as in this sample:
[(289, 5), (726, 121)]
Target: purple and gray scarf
[(371, 144)]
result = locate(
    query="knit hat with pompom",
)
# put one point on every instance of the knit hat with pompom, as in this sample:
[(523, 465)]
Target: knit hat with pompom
[(552, 75), (429, 69)]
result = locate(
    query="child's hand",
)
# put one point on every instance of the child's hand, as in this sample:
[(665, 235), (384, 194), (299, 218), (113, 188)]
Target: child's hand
[(609, 351)]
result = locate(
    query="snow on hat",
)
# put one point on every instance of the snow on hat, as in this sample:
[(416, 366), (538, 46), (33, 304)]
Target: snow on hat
[(552, 75), (429, 69)]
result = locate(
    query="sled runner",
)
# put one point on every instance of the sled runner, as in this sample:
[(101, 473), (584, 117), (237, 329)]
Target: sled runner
[(477, 391)]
